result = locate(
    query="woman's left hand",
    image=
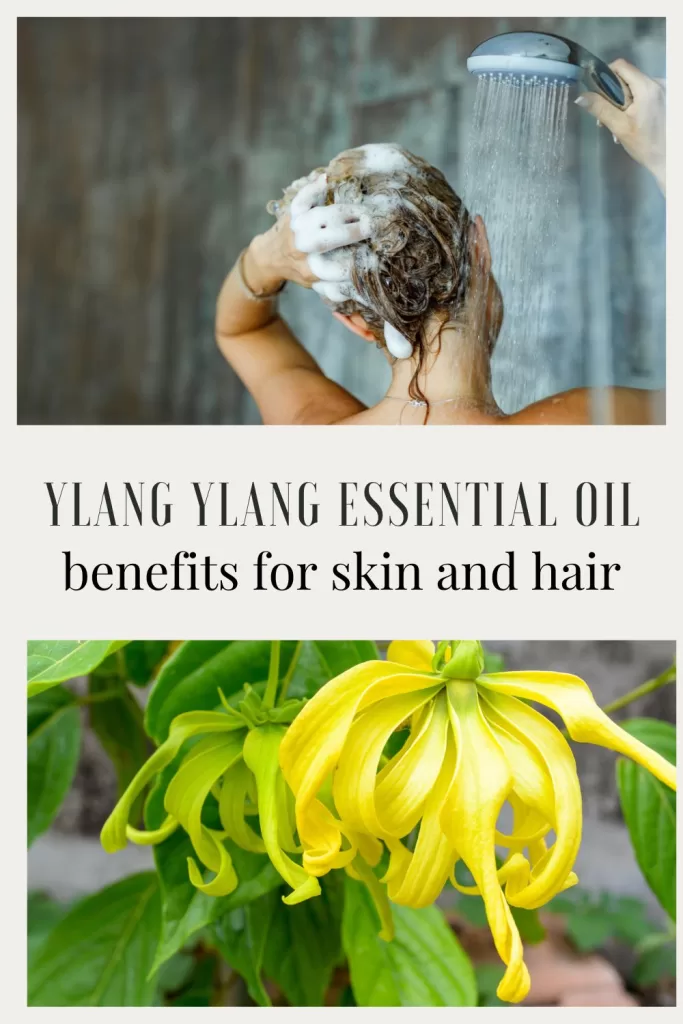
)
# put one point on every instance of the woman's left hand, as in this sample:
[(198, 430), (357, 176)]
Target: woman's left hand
[(641, 128)]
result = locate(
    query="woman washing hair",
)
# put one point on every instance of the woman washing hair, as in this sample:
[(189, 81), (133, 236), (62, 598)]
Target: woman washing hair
[(391, 249)]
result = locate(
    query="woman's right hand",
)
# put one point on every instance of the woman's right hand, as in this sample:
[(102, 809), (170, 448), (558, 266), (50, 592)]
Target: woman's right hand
[(273, 258), (296, 247), (641, 128)]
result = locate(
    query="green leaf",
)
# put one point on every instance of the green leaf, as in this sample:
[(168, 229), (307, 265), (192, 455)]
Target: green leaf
[(529, 925), (303, 945), (493, 662), (655, 964), (54, 742), (589, 928), (322, 660), (489, 977), (186, 910), (176, 974), (101, 952), (42, 914), (649, 809), (240, 937), (190, 678), (592, 920), (118, 724), (142, 658), (197, 990), (424, 965), (50, 662)]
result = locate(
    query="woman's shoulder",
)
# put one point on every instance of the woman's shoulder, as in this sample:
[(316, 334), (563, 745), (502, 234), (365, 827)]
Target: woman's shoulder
[(588, 406)]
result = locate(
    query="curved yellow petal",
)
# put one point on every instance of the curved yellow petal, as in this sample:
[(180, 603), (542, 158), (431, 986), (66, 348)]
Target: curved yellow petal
[(185, 798), (369, 848), (150, 837), (529, 824), (418, 877), (183, 727), (225, 880), (404, 784), (516, 869), (481, 785), (560, 802), (571, 698), (330, 843), (231, 804), (261, 755), (413, 653), (311, 748), (354, 781)]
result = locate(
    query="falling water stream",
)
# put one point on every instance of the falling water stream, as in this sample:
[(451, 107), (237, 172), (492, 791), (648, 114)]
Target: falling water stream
[(514, 179)]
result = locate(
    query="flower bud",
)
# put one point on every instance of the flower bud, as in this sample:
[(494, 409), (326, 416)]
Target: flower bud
[(466, 661)]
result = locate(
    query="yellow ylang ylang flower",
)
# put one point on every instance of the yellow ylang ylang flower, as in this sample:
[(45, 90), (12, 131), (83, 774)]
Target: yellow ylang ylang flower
[(474, 744), (234, 755)]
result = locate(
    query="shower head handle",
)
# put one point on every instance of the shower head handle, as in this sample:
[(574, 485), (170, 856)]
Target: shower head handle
[(601, 77), (537, 52)]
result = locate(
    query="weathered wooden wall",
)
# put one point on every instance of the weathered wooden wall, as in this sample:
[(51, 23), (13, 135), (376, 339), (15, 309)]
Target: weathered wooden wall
[(149, 148)]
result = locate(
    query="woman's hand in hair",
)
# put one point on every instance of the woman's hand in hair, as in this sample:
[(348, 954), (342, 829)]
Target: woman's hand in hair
[(273, 258), (641, 128), (300, 247)]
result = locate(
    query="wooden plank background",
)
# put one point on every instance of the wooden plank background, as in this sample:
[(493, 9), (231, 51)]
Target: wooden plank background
[(149, 148)]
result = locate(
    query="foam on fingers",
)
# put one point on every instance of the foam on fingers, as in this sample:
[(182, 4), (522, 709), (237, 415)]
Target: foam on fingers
[(324, 228), (335, 291), (328, 267), (312, 194)]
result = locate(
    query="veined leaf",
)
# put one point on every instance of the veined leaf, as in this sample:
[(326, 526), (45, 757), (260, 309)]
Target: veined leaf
[(50, 662), (322, 660), (118, 724), (43, 914), (649, 809), (54, 742), (241, 937), (142, 658), (101, 952), (424, 965), (303, 947)]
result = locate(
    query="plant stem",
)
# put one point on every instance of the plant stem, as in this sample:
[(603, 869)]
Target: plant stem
[(668, 676), (273, 675), (290, 671)]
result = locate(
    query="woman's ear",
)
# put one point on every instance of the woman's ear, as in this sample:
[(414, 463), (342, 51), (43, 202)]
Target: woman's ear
[(357, 324), (479, 246)]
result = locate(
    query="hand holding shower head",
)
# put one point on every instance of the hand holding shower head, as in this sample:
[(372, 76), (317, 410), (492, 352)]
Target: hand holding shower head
[(543, 55)]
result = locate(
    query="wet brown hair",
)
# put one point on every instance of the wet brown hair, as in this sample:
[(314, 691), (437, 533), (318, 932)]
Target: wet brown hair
[(417, 265)]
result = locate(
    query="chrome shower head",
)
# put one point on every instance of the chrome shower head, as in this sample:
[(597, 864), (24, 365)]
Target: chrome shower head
[(542, 55)]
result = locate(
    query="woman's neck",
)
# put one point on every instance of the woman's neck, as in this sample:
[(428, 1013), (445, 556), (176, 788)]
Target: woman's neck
[(457, 370)]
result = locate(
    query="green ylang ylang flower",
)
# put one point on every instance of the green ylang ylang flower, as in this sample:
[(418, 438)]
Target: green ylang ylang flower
[(474, 744), (234, 755)]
